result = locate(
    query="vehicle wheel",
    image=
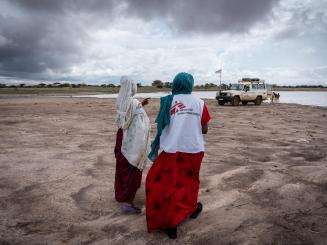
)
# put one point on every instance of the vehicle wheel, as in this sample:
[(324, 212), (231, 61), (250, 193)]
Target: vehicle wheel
[(236, 101), (244, 102), (258, 100), (221, 102)]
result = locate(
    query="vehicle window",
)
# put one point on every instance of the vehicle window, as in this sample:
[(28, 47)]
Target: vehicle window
[(235, 86), (254, 86), (261, 86), (246, 88)]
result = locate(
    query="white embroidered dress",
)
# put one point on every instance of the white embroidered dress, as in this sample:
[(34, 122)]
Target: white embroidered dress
[(135, 124)]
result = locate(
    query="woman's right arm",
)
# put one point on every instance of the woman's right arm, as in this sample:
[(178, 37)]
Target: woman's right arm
[(205, 128), (205, 119), (145, 101)]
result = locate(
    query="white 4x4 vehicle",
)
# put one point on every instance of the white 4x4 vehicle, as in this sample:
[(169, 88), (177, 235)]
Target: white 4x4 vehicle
[(251, 90)]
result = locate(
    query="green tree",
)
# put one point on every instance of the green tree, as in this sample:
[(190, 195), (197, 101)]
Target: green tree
[(157, 83)]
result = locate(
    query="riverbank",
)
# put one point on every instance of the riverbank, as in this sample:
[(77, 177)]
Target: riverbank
[(316, 98), (111, 90), (263, 178)]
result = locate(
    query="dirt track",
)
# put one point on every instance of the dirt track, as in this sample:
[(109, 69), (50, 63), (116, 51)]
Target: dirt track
[(263, 178)]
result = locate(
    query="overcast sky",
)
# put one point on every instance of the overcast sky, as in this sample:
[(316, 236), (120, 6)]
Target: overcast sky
[(281, 41)]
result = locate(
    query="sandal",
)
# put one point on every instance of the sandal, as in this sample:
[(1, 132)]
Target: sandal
[(130, 209), (171, 232)]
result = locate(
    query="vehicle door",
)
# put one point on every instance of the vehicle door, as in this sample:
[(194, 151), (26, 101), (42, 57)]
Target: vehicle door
[(253, 91), (245, 95), (263, 90)]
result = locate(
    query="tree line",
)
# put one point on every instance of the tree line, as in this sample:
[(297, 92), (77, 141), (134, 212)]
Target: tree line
[(156, 83), (56, 85), (160, 84), (301, 86)]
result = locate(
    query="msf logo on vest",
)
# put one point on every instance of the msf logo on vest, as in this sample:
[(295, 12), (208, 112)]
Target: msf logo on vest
[(176, 107)]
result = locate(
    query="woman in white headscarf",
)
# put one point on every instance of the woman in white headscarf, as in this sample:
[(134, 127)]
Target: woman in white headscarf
[(132, 144)]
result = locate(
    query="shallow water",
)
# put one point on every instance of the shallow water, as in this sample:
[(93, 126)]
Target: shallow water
[(304, 98), (298, 97)]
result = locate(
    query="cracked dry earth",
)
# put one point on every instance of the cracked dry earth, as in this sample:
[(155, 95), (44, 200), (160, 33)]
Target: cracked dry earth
[(263, 178)]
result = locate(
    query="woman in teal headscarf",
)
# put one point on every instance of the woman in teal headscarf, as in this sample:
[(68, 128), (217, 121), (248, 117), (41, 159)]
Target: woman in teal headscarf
[(172, 184)]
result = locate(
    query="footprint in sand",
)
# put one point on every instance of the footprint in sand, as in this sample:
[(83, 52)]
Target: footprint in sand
[(100, 163), (93, 201), (310, 154), (242, 180), (89, 172), (113, 230), (89, 146)]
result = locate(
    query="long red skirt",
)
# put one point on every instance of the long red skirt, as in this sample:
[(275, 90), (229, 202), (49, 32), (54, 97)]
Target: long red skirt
[(172, 187), (127, 178)]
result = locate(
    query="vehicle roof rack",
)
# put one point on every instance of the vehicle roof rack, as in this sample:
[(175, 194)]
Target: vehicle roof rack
[(251, 80)]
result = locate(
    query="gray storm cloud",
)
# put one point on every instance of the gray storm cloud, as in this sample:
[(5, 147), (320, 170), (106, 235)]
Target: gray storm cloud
[(209, 16), (41, 35), (185, 15)]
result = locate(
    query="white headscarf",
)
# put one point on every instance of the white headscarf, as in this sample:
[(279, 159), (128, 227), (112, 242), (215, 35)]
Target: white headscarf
[(124, 101)]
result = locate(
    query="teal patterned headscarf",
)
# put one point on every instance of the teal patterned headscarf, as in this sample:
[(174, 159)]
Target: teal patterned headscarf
[(182, 84)]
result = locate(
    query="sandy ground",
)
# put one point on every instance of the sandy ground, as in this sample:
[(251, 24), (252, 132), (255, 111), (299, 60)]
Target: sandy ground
[(263, 178)]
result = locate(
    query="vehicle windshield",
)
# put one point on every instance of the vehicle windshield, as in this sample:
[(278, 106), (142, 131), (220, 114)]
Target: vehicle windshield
[(235, 86)]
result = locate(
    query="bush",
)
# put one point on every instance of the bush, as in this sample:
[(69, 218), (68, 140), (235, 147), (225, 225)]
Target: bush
[(157, 83), (66, 85), (41, 85), (210, 85), (167, 85)]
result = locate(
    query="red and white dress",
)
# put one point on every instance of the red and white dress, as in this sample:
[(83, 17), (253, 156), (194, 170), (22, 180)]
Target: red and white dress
[(172, 184)]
